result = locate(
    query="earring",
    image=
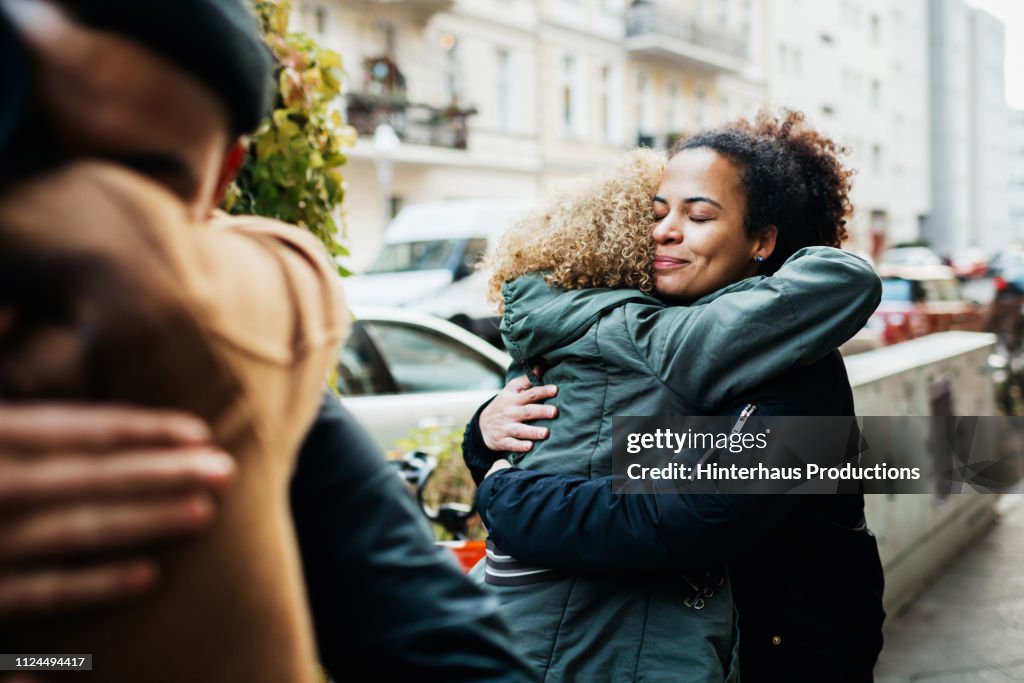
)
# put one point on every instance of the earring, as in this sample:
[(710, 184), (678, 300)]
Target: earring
[(759, 258)]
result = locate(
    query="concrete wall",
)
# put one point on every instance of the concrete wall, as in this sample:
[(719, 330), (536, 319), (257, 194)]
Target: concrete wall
[(918, 534)]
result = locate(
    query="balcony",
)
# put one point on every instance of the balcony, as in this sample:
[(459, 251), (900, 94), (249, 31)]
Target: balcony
[(415, 124), (418, 10), (657, 34)]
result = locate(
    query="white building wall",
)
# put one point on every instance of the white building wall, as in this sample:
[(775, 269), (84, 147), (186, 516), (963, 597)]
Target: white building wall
[(1015, 164), (509, 62), (989, 225), (970, 165), (857, 69)]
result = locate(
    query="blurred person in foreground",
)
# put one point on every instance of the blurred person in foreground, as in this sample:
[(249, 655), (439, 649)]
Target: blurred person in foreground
[(174, 113)]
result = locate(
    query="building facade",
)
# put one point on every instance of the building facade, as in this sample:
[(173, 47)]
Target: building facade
[(501, 98), (1015, 164), (858, 70), (969, 130)]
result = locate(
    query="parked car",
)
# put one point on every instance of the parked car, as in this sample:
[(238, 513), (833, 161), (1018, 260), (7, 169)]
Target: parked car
[(972, 263), (920, 300), (429, 261), (1010, 280), (909, 256), (1009, 257), (403, 369)]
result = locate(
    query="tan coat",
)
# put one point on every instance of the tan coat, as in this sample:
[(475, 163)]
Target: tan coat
[(238, 321)]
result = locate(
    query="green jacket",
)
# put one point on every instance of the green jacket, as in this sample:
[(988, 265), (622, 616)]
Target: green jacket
[(621, 352)]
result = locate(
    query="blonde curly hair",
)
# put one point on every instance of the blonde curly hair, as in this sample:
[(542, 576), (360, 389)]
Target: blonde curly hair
[(595, 232)]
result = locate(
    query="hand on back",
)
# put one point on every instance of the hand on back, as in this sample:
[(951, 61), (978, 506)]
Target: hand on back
[(504, 423)]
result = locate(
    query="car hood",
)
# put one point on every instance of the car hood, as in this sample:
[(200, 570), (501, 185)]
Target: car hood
[(395, 289)]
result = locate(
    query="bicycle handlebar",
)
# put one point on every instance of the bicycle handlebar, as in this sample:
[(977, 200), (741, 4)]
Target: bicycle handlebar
[(416, 468)]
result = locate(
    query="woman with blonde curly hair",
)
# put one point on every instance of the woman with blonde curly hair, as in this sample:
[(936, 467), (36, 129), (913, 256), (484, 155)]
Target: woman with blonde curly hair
[(710, 286)]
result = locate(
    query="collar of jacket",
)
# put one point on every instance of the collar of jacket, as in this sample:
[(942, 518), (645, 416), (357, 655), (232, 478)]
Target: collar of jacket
[(539, 317)]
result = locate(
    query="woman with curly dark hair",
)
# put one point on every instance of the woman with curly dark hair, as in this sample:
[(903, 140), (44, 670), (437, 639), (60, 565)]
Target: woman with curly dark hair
[(745, 218)]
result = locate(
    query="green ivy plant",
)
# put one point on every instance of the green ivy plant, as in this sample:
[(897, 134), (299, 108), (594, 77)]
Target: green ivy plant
[(293, 172)]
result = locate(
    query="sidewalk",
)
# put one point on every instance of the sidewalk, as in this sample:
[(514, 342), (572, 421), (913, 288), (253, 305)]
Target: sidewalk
[(968, 627)]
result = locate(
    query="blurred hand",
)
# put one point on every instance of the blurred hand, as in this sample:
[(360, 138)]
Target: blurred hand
[(503, 421), (76, 481)]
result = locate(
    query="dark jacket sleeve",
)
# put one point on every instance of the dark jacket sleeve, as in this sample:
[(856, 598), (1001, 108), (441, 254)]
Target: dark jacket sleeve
[(384, 598), (581, 525)]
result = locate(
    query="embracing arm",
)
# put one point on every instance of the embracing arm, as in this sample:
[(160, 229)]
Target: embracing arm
[(581, 525), (712, 351)]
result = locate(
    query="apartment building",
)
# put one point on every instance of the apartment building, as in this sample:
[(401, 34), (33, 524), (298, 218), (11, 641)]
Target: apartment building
[(858, 69), (501, 98), (970, 129), (1015, 154)]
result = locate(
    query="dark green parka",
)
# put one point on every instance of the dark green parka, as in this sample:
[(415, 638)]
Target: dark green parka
[(621, 352)]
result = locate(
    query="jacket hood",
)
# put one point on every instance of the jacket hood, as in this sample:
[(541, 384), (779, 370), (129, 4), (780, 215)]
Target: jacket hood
[(539, 318)]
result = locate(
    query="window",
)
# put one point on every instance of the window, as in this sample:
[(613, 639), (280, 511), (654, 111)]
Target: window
[(700, 112), (723, 13), (568, 94), (645, 105), (321, 19), (876, 29), (450, 73), (675, 106), (783, 58), (502, 94), (421, 359), (876, 94), (604, 102), (797, 61), (826, 38), (876, 159), (400, 257)]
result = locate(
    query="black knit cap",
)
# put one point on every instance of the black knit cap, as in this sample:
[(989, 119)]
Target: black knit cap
[(14, 80), (217, 41)]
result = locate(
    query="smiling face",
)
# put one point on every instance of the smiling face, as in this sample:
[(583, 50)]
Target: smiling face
[(700, 244)]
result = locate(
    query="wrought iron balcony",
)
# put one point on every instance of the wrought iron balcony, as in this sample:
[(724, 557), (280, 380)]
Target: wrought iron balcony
[(657, 33), (415, 124)]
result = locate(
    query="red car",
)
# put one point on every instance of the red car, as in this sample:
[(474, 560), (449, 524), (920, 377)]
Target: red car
[(920, 300)]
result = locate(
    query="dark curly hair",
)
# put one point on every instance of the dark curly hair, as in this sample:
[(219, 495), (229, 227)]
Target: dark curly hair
[(792, 177)]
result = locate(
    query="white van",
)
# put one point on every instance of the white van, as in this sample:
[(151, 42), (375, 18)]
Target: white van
[(429, 261)]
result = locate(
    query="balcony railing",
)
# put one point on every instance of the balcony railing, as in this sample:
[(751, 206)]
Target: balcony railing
[(416, 124), (659, 33)]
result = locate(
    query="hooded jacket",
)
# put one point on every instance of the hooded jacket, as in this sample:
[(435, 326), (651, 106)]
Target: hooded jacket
[(621, 352)]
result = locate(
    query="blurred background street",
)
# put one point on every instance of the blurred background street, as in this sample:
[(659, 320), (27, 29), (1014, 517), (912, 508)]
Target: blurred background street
[(968, 626)]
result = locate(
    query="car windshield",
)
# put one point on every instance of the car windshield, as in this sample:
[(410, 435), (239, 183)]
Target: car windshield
[(894, 289), (405, 256)]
